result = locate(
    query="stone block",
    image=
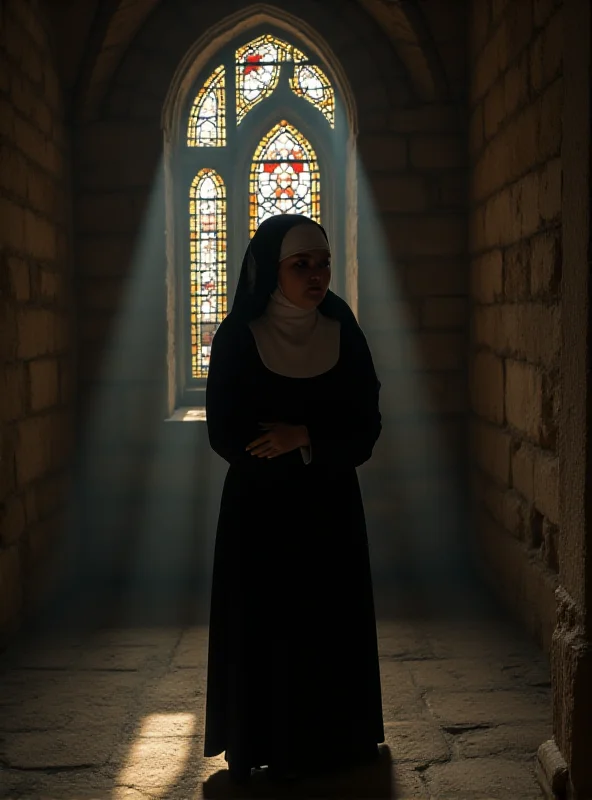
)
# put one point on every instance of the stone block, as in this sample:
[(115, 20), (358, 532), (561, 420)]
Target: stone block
[(34, 449), (551, 122), (13, 169), (486, 277), (517, 272), (494, 109), (479, 21), (13, 392), (440, 277), (37, 332), (516, 85), (20, 280), (549, 546), (442, 351), (444, 312), (550, 191), (442, 151), (407, 194), (419, 742), (427, 118), (517, 30), (488, 65), (12, 520), (528, 332), (12, 225), (477, 778), (523, 458), (545, 264), (476, 131), (10, 589), (383, 152), (524, 398), (546, 485), (40, 237), (44, 383), (491, 447), (487, 386)]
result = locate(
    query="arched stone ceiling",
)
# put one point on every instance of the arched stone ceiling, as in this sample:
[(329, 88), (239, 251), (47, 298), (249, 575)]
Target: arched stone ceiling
[(116, 22)]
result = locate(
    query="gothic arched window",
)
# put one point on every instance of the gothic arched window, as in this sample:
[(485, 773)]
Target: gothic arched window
[(261, 137)]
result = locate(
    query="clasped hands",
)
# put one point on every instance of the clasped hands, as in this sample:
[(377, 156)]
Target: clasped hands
[(279, 438)]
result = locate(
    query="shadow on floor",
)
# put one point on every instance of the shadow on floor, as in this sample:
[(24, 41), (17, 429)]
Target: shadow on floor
[(375, 781)]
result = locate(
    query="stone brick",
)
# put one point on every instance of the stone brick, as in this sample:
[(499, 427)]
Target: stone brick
[(13, 169), (10, 589), (506, 507), (546, 485), (19, 279), (383, 152), (438, 236), (524, 398), (441, 351), (476, 131), (547, 53), (44, 386), (517, 272), (12, 521), (40, 237), (486, 277), (488, 65), (12, 392), (523, 457), (550, 191), (494, 109), (549, 140), (427, 118), (529, 332), (36, 332), (543, 10), (400, 193), (33, 454), (12, 225), (549, 546), (435, 279), (491, 446), (487, 386), (437, 152), (479, 21), (444, 312), (545, 264), (516, 85), (517, 27)]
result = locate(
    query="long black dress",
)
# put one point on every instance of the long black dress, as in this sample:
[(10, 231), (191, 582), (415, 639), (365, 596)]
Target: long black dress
[(293, 671)]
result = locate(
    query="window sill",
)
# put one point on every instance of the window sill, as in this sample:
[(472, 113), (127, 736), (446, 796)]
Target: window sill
[(188, 414)]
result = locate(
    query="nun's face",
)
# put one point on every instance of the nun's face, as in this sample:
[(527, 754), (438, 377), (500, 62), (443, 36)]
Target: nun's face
[(304, 277)]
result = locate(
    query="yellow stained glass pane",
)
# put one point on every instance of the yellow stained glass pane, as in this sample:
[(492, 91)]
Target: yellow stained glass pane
[(207, 118), (310, 82), (258, 70), (284, 177), (207, 250)]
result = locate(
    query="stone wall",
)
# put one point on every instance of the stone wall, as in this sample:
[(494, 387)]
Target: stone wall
[(515, 243), (36, 377), (412, 288)]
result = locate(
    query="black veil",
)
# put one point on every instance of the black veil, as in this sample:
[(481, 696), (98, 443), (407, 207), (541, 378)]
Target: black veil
[(259, 271)]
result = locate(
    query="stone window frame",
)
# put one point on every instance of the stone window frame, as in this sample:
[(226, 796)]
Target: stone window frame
[(185, 403)]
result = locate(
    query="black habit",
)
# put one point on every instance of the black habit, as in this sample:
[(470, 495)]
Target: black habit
[(293, 671)]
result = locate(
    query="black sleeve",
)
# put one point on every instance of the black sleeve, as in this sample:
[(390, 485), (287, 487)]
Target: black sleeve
[(348, 435), (230, 428)]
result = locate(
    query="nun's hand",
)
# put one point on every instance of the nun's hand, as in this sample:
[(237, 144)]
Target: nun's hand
[(279, 438)]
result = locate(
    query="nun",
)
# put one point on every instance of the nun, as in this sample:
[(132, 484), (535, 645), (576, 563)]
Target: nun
[(293, 678)]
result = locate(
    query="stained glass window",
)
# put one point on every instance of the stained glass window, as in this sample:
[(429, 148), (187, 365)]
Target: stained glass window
[(207, 230), (258, 70), (310, 82), (207, 118), (284, 177)]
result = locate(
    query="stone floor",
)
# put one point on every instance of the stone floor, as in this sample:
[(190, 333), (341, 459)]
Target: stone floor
[(118, 713)]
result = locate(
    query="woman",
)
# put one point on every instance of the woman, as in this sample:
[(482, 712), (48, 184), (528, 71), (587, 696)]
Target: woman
[(292, 405)]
